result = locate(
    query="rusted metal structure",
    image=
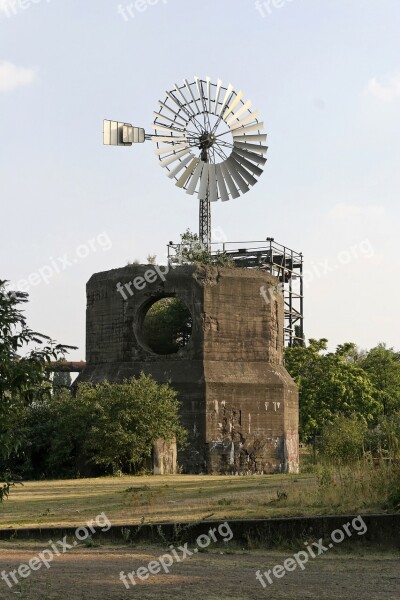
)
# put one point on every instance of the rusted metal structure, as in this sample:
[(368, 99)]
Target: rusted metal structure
[(67, 366)]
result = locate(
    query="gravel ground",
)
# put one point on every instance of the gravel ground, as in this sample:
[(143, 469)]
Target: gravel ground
[(94, 573)]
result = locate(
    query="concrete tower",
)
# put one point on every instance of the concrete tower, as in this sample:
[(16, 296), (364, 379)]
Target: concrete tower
[(238, 401)]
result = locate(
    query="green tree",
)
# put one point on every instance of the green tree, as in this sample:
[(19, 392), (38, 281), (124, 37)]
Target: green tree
[(167, 326), (329, 384), (24, 377), (382, 365), (127, 419), (192, 251), (343, 440), (61, 379), (98, 430), (383, 440)]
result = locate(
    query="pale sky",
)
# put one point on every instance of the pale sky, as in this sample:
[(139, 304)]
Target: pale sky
[(325, 76)]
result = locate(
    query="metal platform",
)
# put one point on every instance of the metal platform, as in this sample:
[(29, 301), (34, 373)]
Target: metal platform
[(282, 262)]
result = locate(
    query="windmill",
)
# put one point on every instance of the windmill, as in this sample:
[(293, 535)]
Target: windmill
[(209, 140)]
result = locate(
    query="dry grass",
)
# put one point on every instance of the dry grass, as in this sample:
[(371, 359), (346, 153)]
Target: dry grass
[(187, 498)]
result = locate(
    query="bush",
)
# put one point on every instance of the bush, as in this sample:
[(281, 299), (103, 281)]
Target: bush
[(383, 441), (102, 429), (192, 251), (343, 440), (393, 501)]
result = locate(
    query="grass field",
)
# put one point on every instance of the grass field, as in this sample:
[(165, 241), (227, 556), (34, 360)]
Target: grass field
[(93, 571), (180, 498)]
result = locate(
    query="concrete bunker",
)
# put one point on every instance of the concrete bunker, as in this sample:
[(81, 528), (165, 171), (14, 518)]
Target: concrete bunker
[(238, 401)]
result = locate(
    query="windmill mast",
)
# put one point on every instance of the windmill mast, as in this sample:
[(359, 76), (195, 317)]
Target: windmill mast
[(205, 223), (205, 204)]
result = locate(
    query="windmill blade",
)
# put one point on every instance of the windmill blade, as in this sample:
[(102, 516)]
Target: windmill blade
[(191, 93), (185, 100), (171, 110), (199, 86), (195, 178), (247, 164), (241, 171), (202, 195), (252, 147), (252, 138), (254, 169), (217, 92), (190, 110), (243, 109), (168, 138), (208, 94), (234, 171), (179, 105), (231, 108), (182, 163), (157, 126), (213, 189), (226, 98), (247, 129), (233, 123), (170, 159), (221, 183), (161, 116), (256, 158), (171, 148), (187, 173), (229, 181)]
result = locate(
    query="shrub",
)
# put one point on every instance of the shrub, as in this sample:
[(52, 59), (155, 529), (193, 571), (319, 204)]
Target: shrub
[(344, 439)]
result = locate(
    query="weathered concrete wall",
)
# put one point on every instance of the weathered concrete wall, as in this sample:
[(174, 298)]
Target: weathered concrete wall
[(238, 401), (165, 458), (383, 531), (251, 402)]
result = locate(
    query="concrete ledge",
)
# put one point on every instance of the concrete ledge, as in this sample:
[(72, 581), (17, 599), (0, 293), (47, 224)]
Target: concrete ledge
[(382, 530)]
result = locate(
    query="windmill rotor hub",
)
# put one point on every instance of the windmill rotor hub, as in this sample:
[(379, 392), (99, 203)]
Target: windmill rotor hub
[(206, 141)]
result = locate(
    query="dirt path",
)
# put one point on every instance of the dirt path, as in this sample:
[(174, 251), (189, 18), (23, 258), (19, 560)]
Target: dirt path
[(93, 573)]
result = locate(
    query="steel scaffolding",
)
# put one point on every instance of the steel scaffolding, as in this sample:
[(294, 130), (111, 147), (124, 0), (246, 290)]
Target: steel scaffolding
[(279, 260)]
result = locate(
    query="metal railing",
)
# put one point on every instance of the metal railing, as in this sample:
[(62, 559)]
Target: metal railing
[(280, 261)]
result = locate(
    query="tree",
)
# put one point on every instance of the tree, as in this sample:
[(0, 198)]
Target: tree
[(343, 440), (384, 440), (167, 326), (103, 428), (61, 380), (127, 419), (192, 251), (382, 365), (329, 384), (23, 374)]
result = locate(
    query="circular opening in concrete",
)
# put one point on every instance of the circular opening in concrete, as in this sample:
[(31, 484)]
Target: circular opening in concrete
[(166, 325)]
